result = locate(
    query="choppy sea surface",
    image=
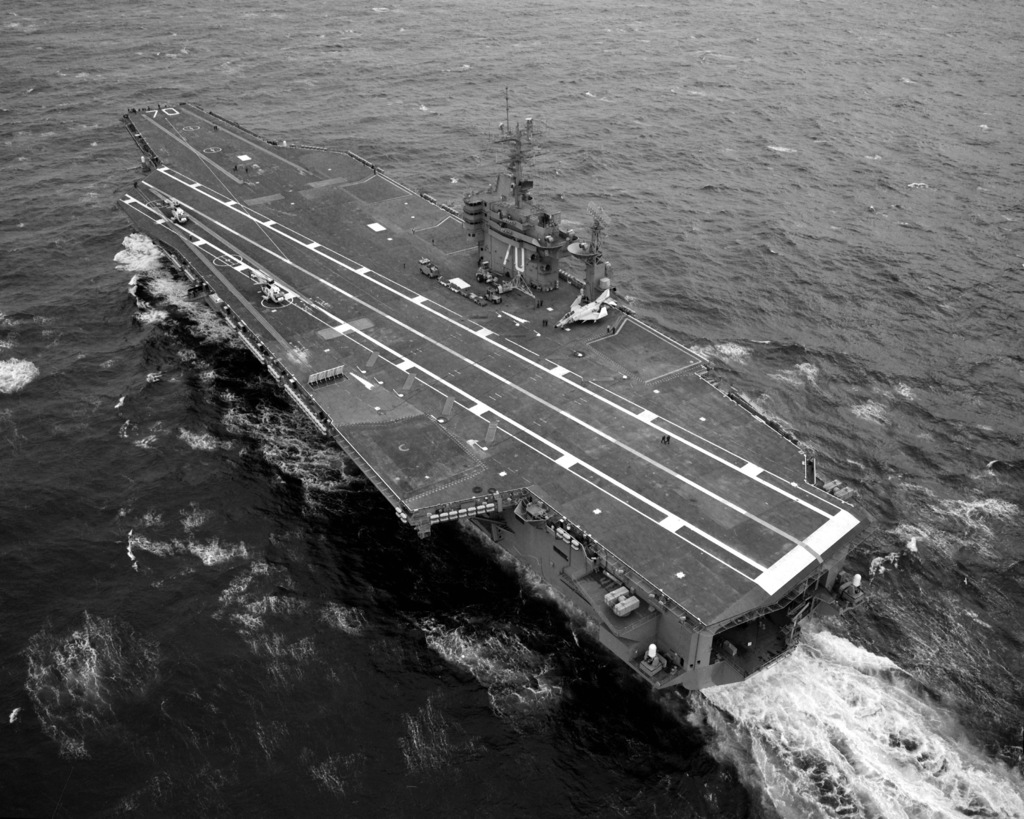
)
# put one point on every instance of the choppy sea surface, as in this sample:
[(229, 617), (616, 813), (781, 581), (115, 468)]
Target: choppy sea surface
[(204, 612)]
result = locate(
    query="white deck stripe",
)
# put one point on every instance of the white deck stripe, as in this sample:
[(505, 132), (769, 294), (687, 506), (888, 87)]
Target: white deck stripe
[(362, 271), (799, 558), (558, 371), (567, 461), (406, 365), (479, 409), (831, 532), (647, 416), (751, 470), (672, 523)]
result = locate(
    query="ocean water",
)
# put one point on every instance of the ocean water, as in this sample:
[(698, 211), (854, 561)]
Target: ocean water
[(204, 612)]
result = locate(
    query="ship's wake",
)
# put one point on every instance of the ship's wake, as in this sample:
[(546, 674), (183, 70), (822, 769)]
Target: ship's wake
[(836, 731)]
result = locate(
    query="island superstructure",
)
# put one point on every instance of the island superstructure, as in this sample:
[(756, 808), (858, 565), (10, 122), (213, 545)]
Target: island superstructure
[(479, 364)]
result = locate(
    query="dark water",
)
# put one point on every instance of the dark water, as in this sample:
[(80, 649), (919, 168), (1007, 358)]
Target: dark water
[(203, 613)]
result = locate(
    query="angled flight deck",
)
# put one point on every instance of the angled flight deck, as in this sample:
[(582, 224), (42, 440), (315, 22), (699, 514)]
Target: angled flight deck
[(598, 453)]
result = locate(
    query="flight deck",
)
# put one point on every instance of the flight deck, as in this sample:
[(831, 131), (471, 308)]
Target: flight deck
[(457, 403)]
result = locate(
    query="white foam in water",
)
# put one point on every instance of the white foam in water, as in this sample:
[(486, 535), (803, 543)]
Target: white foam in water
[(139, 255), (253, 595), (976, 515), (343, 618), (285, 662), (517, 679), (151, 518), (168, 289), (145, 442), (284, 442), (131, 553), (428, 745), (151, 315), (211, 552), (881, 563), (805, 373), (870, 411), (271, 736), (202, 441), (193, 517), (332, 773), (726, 351), (905, 392), (836, 731), (77, 681), (951, 524), (16, 374)]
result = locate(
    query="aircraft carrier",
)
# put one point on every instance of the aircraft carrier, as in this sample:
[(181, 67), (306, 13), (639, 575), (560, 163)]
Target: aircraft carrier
[(479, 364)]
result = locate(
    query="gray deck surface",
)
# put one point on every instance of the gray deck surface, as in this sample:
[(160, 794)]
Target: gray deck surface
[(575, 415)]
